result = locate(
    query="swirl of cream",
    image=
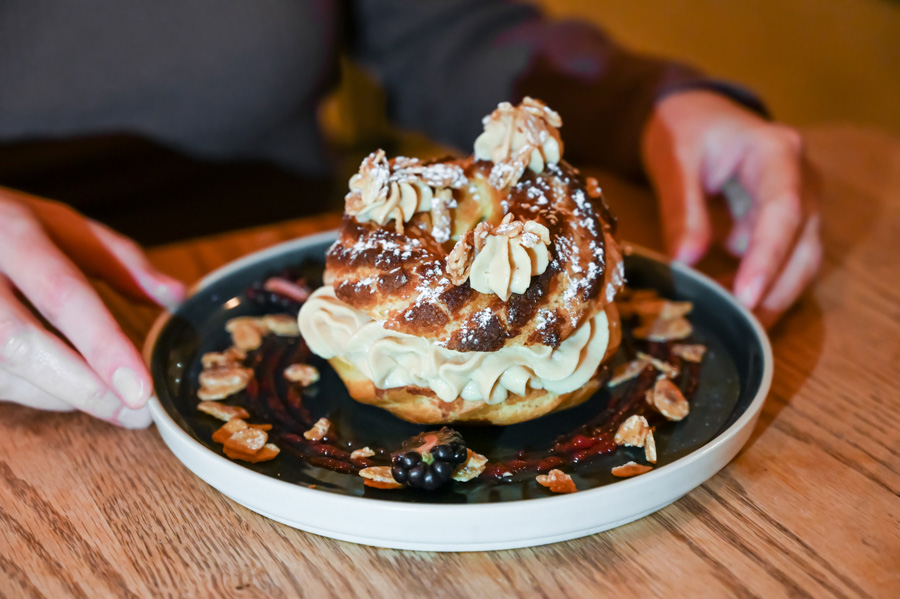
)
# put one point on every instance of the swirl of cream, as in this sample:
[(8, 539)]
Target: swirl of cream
[(378, 195), (390, 359), (382, 191), (505, 259), (519, 137)]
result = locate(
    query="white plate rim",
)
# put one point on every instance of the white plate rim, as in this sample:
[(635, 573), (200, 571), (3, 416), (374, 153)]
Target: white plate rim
[(435, 527)]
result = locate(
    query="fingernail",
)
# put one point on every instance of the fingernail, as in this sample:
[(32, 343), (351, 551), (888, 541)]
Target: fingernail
[(165, 290), (166, 297), (128, 418), (750, 293), (129, 387)]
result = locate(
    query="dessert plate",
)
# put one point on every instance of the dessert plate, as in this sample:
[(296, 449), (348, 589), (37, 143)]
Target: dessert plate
[(734, 379)]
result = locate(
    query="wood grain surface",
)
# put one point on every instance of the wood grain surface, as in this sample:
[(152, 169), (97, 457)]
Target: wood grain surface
[(810, 508)]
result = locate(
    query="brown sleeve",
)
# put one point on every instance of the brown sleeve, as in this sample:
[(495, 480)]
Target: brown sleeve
[(446, 64)]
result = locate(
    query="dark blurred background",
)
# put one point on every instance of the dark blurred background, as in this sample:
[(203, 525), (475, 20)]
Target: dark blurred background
[(812, 61)]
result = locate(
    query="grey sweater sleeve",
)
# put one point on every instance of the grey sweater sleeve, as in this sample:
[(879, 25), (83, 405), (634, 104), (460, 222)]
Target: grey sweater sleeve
[(447, 63)]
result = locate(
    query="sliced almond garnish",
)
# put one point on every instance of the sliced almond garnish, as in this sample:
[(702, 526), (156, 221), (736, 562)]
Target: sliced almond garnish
[(228, 429), (362, 453), (221, 382), (650, 448), (668, 400), (379, 477), (283, 325), (664, 367), (221, 411), (557, 481), (633, 432), (471, 468), (248, 440), (630, 469), (664, 330), (671, 310), (318, 430), (246, 332), (224, 377), (304, 374), (459, 260), (230, 357), (268, 452), (690, 352), (628, 371)]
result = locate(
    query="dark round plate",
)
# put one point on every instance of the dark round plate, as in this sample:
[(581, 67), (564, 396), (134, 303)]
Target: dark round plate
[(734, 376)]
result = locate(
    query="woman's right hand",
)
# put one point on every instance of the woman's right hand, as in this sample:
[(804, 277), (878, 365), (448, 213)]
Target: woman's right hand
[(47, 251)]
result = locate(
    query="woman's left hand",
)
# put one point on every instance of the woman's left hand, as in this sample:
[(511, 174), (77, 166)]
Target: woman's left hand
[(693, 145)]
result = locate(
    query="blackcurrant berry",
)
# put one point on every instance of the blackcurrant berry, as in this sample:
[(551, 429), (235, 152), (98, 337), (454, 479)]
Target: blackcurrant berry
[(442, 452), (417, 475)]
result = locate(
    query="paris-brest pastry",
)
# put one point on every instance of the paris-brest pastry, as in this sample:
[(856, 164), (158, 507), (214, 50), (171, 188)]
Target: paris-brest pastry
[(477, 289)]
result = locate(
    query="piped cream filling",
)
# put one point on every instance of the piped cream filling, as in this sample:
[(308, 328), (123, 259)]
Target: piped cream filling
[(393, 359)]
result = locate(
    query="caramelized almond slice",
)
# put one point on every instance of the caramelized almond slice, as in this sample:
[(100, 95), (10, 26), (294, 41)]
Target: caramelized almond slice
[(304, 374), (650, 448), (630, 469), (459, 260), (225, 377), (672, 310), (318, 430), (664, 330), (268, 452), (633, 432), (471, 468), (557, 481), (362, 453), (283, 325), (262, 427), (230, 357), (248, 440), (628, 371), (690, 352), (664, 367), (228, 429), (379, 477), (220, 383), (667, 399), (221, 411), (246, 332)]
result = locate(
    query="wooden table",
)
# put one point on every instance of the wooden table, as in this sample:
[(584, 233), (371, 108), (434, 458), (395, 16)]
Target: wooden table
[(810, 508)]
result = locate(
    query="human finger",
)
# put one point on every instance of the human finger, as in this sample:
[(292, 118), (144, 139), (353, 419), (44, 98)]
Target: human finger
[(683, 209), (30, 352), (799, 271), (772, 175), (99, 251), (17, 390), (62, 294)]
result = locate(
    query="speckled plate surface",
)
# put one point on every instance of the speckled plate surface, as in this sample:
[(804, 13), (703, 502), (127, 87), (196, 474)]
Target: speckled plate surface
[(734, 379)]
